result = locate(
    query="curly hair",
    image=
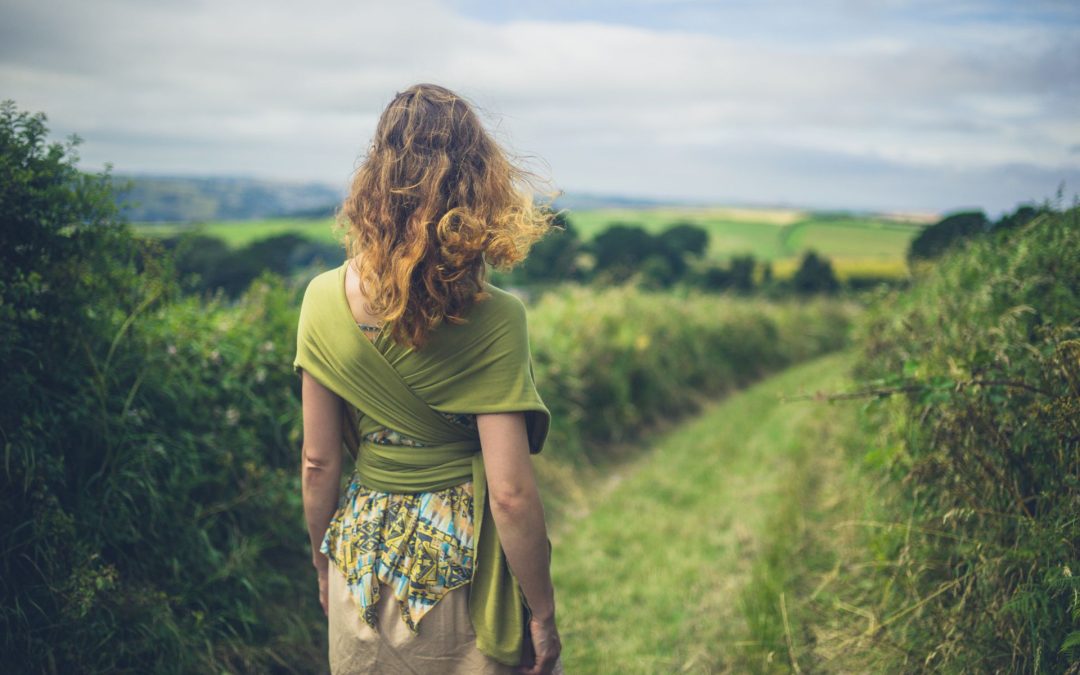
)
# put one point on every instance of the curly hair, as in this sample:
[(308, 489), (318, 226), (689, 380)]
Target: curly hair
[(433, 201)]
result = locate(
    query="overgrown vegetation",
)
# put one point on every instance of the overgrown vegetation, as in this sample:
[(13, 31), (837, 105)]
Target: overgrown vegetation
[(946, 534), (984, 437), (150, 503), (614, 361)]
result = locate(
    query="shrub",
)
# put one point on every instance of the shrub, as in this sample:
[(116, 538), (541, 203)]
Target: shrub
[(935, 239), (685, 238), (610, 362), (985, 443), (815, 275), (553, 258), (151, 493)]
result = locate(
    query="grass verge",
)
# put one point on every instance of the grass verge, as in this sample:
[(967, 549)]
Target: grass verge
[(673, 567)]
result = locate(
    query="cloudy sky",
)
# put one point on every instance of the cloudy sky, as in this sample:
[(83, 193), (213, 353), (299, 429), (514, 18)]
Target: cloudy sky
[(865, 104)]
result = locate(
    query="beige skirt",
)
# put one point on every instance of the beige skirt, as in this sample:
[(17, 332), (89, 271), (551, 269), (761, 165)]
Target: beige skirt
[(445, 643)]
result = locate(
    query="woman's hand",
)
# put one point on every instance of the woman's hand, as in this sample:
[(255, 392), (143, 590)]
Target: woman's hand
[(546, 646), (322, 566)]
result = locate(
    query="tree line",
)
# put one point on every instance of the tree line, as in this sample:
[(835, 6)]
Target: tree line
[(623, 253)]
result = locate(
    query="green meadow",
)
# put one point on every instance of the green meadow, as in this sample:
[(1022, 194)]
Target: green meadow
[(242, 232), (856, 245)]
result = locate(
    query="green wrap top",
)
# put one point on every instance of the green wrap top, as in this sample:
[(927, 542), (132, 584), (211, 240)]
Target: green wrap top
[(481, 366)]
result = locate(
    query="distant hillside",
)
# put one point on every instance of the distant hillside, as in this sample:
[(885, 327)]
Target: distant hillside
[(185, 199), (586, 201), (191, 199)]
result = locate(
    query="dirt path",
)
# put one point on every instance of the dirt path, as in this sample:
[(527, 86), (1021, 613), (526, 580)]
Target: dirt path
[(649, 580)]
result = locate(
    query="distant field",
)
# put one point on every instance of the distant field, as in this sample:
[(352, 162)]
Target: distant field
[(856, 245), (242, 232)]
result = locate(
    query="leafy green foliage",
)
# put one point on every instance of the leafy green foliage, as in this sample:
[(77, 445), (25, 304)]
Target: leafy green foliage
[(206, 264), (623, 250), (553, 258), (150, 482), (686, 238), (815, 275), (742, 273), (620, 250), (986, 441), (937, 238), (1022, 216), (611, 362)]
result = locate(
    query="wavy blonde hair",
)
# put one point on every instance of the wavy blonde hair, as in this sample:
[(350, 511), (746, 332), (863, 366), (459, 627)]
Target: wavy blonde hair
[(433, 201)]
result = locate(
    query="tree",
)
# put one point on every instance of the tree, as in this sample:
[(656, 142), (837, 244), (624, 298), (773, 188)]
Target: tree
[(47, 206), (620, 250), (554, 257), (1018, 218), (815, 275), (935, 239), (742, 273), (656, 272), (686, 238), (714, 276), (198, 259)]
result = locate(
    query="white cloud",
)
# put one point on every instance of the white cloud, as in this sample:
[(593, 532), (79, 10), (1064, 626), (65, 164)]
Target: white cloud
[(274, 89)]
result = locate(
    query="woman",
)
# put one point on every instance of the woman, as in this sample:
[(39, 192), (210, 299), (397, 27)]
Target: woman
[(436, 558)]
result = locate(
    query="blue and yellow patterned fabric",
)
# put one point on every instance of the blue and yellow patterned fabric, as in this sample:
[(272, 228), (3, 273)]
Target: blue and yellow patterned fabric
[(420, 545)]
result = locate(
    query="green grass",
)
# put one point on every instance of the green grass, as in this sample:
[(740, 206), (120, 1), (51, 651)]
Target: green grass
[(856, 238), (240, 233), (660, 575), (731, 231)]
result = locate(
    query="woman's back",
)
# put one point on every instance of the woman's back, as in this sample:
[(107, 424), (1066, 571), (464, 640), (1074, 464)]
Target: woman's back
[(423, 371)]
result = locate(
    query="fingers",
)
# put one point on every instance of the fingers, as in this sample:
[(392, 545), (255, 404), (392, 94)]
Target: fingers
[(544, 665), (538, 668), (324, 594)]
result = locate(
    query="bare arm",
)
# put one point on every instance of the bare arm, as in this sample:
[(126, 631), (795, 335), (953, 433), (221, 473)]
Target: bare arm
[(519, 518), (321, 464)]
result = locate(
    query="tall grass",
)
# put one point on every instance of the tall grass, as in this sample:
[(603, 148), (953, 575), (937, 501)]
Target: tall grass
[(986, 438), (151, 511), (953, 536)]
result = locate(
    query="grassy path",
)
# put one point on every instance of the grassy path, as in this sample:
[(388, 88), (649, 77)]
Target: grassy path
[(655, 577)]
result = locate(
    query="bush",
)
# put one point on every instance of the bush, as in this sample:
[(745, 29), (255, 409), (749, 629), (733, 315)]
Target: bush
[(935, 239), (686, 239), (622, 249), (206, 264), (815, 275), (611, 362), (985, 444), (742, 273), (553, 258), (151, 495)]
